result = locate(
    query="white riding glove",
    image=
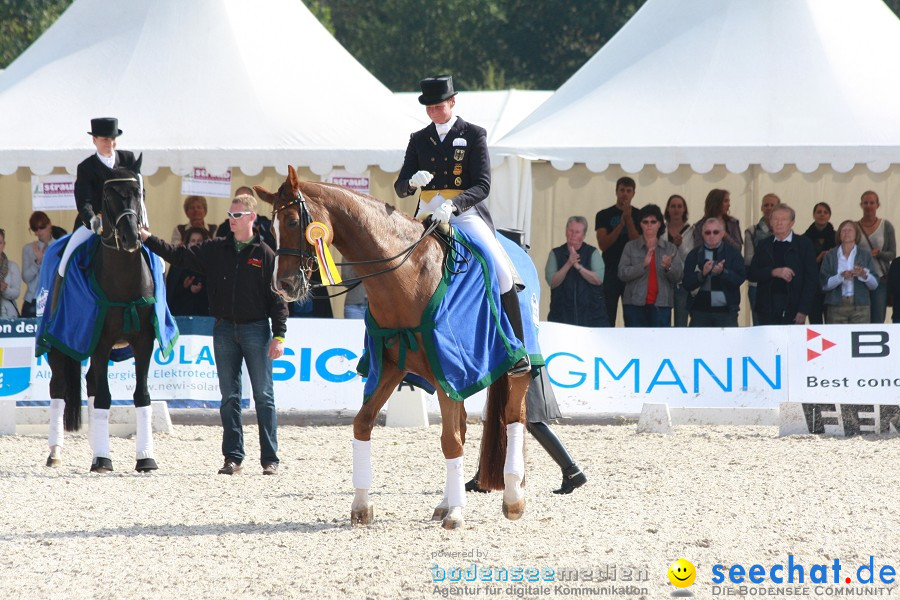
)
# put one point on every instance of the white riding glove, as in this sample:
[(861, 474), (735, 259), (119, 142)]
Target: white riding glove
[(443, 212), (96, 224), (420, 179)]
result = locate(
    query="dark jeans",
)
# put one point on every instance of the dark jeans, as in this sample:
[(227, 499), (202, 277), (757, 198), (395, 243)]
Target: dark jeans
[(648, 315), (816, 315), (681, 306), (612, 292), (29, 309), (248, 342), (703, 318), (878, 298)]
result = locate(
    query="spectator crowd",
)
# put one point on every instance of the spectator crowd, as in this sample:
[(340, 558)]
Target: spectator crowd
[(665, 270)]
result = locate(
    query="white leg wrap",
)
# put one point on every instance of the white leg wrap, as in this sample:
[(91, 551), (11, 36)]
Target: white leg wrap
[(144, 438), (515, 458), (454, 488), (362, 464), (55, 436), (100, 432)]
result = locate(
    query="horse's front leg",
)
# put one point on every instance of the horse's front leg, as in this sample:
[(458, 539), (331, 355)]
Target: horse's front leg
[(453, 438), (143, 351), (362, 511), (514, 466), (99, 417)]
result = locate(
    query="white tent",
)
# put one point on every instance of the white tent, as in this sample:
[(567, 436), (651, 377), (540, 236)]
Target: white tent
[(214, 83), (730, 82)]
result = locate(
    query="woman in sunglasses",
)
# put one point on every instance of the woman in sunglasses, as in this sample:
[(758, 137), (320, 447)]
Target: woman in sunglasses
[(33, 255), (651, 268)]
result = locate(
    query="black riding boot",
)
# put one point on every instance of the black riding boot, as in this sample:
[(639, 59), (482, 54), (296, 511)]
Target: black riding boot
[(472, 484), (510, 303), (547, 438)]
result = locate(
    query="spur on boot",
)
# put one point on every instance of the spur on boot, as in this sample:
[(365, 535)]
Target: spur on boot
[(573, 478)]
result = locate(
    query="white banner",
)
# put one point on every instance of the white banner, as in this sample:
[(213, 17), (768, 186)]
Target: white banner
[(358, 183), (53, 192), (617, 370), (202, 183), (593, 371), (845, 364)]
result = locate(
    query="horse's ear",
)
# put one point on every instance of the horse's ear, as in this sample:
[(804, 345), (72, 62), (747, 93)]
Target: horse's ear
[(137, 164), (264, 194), (293, 179)]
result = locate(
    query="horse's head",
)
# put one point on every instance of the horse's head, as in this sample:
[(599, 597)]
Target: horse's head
[(122, 210), (295, 257)]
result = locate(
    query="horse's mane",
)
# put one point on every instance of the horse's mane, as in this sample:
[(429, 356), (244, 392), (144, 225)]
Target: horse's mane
[(364, 208)]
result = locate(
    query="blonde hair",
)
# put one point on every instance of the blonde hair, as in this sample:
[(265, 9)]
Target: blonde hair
[(249, 202)]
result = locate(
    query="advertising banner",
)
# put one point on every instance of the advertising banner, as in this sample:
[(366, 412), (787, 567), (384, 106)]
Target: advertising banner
[(358, 183), (53, 192), (202, 183)]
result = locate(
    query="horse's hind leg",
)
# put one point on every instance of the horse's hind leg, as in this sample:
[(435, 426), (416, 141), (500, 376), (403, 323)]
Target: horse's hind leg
[(453, 438), (57, 405), (144, 451), (362, 511), (514, 466)]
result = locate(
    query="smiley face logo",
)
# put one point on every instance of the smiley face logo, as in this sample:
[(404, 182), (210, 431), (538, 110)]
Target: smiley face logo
[(682, 573)]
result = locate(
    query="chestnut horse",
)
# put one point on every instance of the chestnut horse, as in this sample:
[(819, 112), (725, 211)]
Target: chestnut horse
[(365, 229)]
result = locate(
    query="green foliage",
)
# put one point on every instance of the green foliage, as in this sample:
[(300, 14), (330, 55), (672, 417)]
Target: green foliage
[(22, 21), (485, 44)]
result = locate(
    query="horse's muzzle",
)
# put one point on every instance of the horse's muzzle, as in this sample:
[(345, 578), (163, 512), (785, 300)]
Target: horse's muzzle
[(293, 288)]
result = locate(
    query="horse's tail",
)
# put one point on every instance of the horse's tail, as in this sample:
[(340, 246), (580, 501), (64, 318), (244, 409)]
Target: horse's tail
[(493, 441), (72, 397)]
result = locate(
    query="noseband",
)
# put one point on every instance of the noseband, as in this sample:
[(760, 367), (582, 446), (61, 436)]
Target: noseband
[(114, 236), (305, 220)]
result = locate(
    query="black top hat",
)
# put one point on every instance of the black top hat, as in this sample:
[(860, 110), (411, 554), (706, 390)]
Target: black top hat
[(436, 89), (107, 127)]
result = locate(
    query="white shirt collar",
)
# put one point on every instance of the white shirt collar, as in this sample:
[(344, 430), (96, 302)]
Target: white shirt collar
[(789, 238), (109, 161), (444, 128)]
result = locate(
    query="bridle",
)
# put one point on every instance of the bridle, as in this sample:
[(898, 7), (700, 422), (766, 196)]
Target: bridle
[(312, 260), (105, 238)]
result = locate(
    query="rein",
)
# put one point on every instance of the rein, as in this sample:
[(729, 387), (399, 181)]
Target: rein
[(306, 219), (125, 213)]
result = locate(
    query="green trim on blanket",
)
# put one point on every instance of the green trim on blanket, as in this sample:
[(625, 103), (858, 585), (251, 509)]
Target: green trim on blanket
[(407, 341), (130, 317)]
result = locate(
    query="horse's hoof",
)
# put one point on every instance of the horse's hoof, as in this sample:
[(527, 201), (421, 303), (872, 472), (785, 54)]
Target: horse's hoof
[(514, 511), (145, 465), (101, 464), (454, 519), (440, 513), (54, 461), (366, 516)]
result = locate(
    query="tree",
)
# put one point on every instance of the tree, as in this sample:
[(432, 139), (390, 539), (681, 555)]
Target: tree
[(22, 21)]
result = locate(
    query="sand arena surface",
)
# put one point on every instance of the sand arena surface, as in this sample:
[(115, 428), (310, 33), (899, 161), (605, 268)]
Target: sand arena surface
[(713, 495)]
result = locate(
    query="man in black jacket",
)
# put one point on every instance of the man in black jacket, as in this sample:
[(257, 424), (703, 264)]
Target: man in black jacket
[(785, 270), (713, 274), (239, 270)]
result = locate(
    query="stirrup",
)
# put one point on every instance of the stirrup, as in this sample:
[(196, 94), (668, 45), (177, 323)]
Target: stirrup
[(522, 366)]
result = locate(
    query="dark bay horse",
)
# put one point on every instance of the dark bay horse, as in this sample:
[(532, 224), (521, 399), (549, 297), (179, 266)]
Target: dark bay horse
[(365, 229), (122, 273)]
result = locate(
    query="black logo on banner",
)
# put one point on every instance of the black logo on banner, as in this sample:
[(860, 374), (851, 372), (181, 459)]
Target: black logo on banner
[(854, 419)]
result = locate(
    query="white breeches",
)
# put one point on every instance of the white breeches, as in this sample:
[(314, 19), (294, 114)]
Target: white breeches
[(79, 236)]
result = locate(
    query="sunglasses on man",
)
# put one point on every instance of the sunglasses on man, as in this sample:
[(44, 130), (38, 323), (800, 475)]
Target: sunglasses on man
[(238, 214)]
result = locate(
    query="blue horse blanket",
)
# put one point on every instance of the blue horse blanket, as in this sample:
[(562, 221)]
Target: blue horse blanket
[(75, 323), (467, 337)]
